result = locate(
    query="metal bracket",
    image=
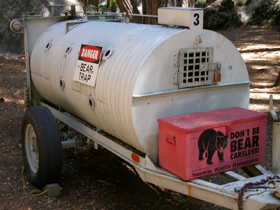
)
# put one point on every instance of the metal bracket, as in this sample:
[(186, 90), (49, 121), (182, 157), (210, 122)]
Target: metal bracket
[(69, 24), (175, 78), (214, 66), (275, 192), (176, 63), (198, 40), (175, 60), (17, 25)]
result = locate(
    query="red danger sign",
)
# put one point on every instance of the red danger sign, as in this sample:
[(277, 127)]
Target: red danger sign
[(90, 53), (88, 64)]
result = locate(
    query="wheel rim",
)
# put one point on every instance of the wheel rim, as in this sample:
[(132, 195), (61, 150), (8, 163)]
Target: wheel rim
[(31, 147)]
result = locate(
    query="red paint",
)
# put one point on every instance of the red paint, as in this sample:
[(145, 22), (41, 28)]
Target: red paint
[(217, 77), (90, 53), (234, 136)]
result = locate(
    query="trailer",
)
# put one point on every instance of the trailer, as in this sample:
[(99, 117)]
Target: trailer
[(171, 98)]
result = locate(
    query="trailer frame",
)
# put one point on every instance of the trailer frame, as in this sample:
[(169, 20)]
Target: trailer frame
[(223, 195)]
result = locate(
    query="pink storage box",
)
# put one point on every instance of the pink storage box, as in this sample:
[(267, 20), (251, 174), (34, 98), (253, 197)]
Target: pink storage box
[(204, 143)]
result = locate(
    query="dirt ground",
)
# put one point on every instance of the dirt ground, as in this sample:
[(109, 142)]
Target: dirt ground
[(97, 179)]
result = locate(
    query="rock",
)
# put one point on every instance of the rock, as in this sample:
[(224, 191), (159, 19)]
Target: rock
[(221, 15), (214, 20), (12, 43), (227, 14), (266, 12), (227, 4)]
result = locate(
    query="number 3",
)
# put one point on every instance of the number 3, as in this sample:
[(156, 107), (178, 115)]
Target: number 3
[(196, 16)]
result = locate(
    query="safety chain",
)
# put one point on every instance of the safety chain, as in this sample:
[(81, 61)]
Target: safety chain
[(247, 185)]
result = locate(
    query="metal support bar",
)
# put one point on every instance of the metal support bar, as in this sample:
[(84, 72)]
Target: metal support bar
[(262, 170), (272, 112), (188, 188), (233, 175), (252, 171), (27, 64), (276, 148), (223, 195), (71, 143), (140, 15)]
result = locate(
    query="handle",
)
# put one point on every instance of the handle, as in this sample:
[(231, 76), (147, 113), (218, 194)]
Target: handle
[(171, 139), (228, 130)]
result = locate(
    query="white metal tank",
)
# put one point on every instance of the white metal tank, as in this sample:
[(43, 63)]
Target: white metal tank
[(147, 72)]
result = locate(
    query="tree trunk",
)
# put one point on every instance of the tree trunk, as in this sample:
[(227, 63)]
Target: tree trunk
[(129, 6), (173, 3), (108, 4), (149, 7), (85, 4), (123, 6), (192, 3)]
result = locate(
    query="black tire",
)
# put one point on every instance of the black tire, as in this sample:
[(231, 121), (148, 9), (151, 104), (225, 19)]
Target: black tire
[(41, 146)]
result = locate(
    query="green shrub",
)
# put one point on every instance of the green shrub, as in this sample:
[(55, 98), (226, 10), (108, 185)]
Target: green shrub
[(266, 13), (248, 2), (228, 4), (240, 3)]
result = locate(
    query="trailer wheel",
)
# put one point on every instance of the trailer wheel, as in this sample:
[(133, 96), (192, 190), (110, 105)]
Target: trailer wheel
[(41, 146)]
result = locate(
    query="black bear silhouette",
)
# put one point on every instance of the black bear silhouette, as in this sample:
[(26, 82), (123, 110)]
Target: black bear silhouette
[(210, 141)]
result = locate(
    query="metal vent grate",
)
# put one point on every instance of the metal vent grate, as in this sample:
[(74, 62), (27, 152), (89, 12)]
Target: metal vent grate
[(193, 67)]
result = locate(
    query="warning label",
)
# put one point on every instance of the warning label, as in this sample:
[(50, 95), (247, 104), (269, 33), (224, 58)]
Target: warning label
[(88, 64), (244, 143)]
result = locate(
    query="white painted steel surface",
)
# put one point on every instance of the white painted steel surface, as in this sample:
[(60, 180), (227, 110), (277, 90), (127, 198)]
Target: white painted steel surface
[(181, 16), (134, 86)]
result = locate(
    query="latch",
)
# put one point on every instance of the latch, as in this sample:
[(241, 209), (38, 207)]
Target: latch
[(228, 130), (216, 68)]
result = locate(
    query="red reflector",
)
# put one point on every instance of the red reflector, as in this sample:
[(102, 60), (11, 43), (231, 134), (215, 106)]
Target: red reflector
[(135, 157), (217, 77)]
